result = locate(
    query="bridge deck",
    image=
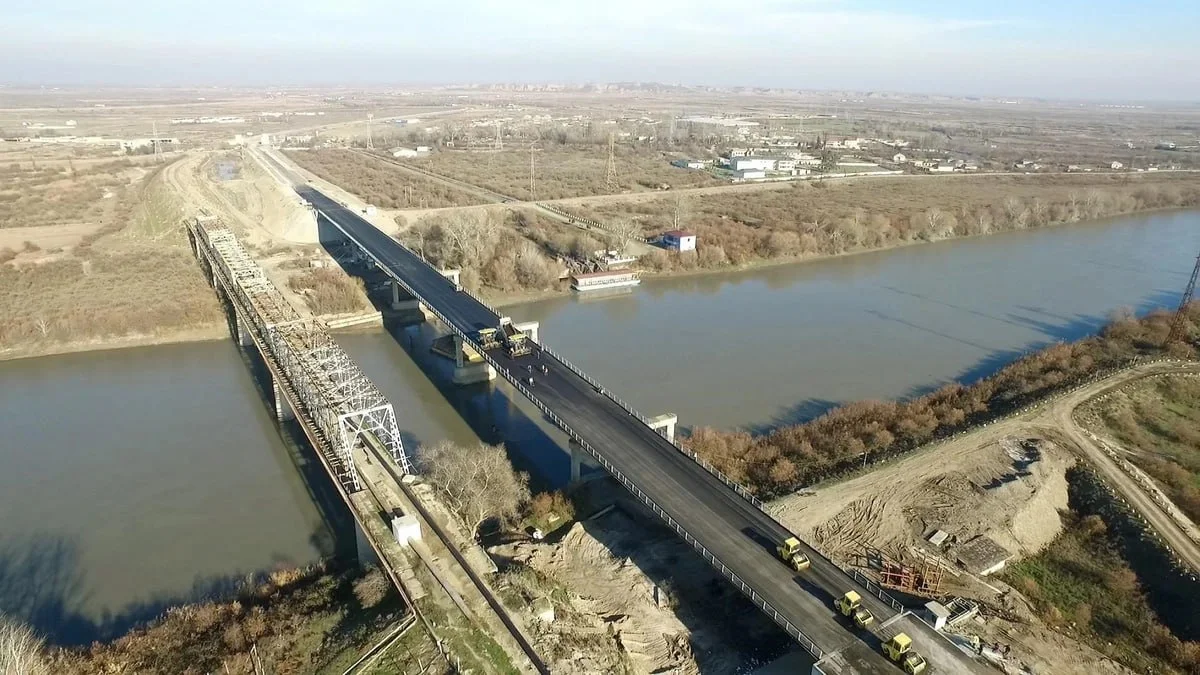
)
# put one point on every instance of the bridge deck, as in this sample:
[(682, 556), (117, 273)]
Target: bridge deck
[(732, 529)]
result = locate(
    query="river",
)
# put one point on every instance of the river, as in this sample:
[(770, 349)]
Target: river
[(133, 479)]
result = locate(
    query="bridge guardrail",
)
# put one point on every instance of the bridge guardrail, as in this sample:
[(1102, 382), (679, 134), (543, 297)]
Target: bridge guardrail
[(876, 590)]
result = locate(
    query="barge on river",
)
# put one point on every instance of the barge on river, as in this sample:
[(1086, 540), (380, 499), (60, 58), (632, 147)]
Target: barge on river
[(595, 281)]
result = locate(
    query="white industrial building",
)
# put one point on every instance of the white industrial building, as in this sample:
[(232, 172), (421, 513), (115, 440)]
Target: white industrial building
[(679, 240), (752, 163)]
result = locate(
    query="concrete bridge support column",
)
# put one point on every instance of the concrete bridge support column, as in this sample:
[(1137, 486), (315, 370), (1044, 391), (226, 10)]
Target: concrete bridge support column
[(453, 275), (402, 299), (243, 331), (468, 368), (362, 545), (583, 467), (665, 425), (283, 409)]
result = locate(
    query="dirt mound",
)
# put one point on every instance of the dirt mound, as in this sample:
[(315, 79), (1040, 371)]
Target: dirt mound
[(1008, 489)]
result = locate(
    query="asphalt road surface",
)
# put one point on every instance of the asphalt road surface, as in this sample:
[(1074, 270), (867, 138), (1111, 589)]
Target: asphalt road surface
[(738, 534)]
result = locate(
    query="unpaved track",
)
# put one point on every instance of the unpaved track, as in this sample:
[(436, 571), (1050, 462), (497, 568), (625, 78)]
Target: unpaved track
[(1061, 416)]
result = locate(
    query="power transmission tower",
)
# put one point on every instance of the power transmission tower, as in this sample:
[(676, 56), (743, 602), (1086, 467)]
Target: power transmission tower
[(154, 142), (499, 144), (370, 138), (532, 194), (610, 172), (1176, 332)]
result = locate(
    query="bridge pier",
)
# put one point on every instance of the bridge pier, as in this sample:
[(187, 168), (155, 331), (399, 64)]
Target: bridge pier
[(283, 409), (402, 299), (243, 332), (665, 425), (581, 460), (469, 366), (362, 547), (452, 275)]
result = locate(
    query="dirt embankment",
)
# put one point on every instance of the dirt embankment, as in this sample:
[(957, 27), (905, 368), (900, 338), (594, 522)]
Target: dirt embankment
[(634, 589)]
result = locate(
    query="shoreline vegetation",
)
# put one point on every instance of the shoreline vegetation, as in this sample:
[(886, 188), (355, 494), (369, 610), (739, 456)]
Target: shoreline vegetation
[(782, 460), (314, 619)]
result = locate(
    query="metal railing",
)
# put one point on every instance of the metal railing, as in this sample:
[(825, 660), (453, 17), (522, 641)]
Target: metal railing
[(876, 590), (587, 223)]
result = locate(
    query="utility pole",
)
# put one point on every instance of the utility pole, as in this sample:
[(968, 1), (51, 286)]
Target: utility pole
[(370, 139), (610, 171), (1176, 332)]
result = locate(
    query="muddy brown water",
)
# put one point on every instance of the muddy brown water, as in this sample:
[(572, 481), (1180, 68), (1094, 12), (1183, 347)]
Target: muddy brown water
[(133, 479)]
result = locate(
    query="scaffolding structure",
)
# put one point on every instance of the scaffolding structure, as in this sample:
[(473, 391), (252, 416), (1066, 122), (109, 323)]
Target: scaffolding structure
[(924, 579), (324, 386)]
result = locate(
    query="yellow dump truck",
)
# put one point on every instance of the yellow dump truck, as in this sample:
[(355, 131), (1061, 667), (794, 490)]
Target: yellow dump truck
[(899, 650), (790, 553), (850, 606)]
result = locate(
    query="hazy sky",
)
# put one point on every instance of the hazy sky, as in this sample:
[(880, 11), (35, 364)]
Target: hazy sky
[(1106, 49)]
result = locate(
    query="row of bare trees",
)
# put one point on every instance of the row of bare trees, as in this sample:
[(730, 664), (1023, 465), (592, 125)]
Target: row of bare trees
[(829, 219), (780, 461)]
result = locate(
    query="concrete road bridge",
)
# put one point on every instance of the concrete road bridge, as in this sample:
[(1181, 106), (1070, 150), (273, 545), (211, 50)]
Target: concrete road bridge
[(719, 518)]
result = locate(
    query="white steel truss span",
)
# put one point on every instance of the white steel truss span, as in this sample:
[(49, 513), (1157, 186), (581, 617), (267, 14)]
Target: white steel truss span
[(323, 383)]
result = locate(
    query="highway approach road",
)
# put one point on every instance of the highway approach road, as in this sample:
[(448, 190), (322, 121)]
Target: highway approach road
[(731, 528)]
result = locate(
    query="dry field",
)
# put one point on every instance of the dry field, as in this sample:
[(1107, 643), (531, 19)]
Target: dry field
[(126, 273), (564, 170), (380, 183)]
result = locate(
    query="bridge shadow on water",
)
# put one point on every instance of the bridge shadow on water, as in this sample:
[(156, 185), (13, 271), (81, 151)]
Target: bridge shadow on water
[(336, 539)]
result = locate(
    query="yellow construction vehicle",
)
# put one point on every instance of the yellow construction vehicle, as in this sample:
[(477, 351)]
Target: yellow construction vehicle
[(899, 650), (850, 605), (488, 338), (790, 553)]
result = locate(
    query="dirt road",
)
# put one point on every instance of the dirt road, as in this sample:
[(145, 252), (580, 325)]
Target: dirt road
[(1061, 416)]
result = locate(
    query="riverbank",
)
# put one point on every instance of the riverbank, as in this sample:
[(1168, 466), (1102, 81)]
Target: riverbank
[(313, 620), (506, 299), (204, 333)]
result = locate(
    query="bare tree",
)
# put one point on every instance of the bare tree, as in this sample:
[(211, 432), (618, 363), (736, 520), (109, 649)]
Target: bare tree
[(623, 231), (471, 235), (1018, 214), (20, 649), (983, 221), (477, 481)]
